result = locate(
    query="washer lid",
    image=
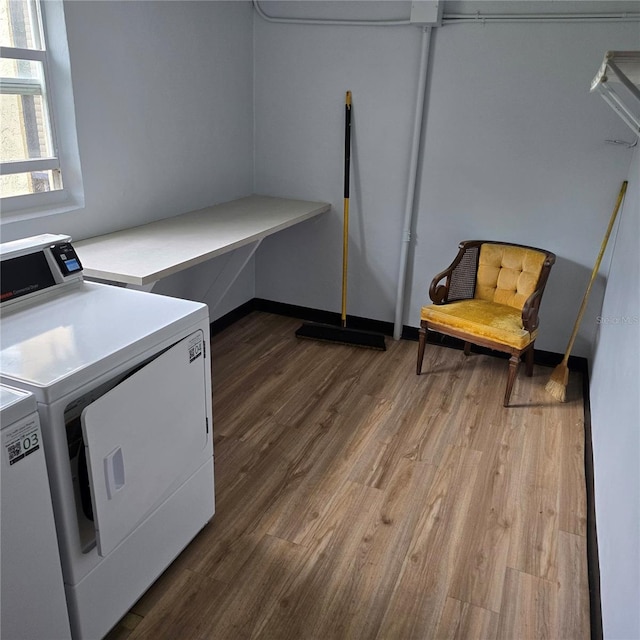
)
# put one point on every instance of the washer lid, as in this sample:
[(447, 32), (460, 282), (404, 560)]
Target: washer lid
[(59, 343), (15, 405)]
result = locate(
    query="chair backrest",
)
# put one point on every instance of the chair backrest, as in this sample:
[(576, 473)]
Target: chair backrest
[(508, 274)]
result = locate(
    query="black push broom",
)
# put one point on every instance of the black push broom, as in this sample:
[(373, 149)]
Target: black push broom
[(329, 332)]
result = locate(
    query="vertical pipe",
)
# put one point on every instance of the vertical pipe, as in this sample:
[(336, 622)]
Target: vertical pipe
[(411, 186)]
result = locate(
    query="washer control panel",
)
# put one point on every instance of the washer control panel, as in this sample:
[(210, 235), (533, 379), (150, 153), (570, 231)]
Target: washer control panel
[(36, 265), (66, 258)]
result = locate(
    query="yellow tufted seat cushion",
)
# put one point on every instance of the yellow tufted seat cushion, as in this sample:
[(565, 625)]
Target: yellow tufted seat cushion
[(507, 274), (499, 322)]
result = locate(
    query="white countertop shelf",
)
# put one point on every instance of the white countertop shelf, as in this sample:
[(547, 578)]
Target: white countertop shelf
[(145, 254)]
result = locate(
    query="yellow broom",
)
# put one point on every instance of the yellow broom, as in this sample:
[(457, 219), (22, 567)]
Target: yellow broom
[(557, 385)]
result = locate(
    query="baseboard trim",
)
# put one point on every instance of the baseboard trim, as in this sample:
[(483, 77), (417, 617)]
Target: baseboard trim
[(543, 358), (221, 323), (593, 556), (326, 317)]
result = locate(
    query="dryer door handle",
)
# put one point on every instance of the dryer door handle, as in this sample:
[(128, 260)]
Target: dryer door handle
[(114, 472)]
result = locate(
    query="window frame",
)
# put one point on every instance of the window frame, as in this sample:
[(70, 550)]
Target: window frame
[(56, 89)]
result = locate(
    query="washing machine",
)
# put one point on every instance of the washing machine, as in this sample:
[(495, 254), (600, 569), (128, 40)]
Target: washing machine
[(32, 599), (122, 382)]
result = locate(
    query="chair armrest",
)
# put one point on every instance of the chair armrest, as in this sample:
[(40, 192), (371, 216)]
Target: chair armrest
[(530, 319), (438, 291), (530, 309)]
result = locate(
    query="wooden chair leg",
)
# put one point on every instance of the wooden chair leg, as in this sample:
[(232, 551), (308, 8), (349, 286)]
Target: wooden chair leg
[(514, 361), (529, 362), (422, 339), (467, 348)]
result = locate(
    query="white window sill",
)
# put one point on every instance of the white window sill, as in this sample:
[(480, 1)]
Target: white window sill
[(38, 205)]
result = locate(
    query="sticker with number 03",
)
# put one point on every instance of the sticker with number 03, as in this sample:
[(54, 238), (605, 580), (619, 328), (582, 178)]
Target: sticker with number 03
[(22, 441)]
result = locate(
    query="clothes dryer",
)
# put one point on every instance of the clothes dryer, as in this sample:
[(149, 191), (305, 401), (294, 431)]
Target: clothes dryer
[(123, 385)]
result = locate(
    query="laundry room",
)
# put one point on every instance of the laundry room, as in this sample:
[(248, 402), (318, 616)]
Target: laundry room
[(259, 165)]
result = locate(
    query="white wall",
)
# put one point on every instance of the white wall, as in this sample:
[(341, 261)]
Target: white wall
[(513, 149), (615, 417), (164, 108)]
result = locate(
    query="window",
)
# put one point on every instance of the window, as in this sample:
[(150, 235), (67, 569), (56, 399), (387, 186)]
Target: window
[(33, 168)]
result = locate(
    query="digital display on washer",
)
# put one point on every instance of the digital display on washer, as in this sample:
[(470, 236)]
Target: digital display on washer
[(66, 257), (72, 265)]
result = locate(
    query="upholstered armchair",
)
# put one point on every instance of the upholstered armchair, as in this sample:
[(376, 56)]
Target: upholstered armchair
[(489, 296)]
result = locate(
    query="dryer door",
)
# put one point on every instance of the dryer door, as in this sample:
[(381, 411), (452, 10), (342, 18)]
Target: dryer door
[(144, 438)]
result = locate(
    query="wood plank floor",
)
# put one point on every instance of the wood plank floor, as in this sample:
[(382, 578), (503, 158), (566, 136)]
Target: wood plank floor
[(355, 499)]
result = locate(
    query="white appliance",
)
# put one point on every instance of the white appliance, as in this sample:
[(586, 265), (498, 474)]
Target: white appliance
[(32, 600), (123, 385)]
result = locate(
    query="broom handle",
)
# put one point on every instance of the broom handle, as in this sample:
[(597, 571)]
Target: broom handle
[(594, 273), (345, 230)]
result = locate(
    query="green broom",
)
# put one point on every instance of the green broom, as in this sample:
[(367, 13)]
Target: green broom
[(328, 332), (557, 385)]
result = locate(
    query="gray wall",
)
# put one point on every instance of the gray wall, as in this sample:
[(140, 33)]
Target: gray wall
[(302, 74), (167, 95), (615, 417), (514, 149), (164, 109)]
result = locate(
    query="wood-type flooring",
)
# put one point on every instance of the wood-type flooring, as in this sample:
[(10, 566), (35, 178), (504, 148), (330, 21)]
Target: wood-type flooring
[(356, 500)]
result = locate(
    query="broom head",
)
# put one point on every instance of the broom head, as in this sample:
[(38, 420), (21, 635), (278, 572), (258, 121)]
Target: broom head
[(342, 335), (557, 385)]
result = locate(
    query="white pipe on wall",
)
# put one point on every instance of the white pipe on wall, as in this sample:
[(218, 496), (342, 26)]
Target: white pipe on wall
[(480, 18), (461, 18), (411, 185), (319, 21)]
